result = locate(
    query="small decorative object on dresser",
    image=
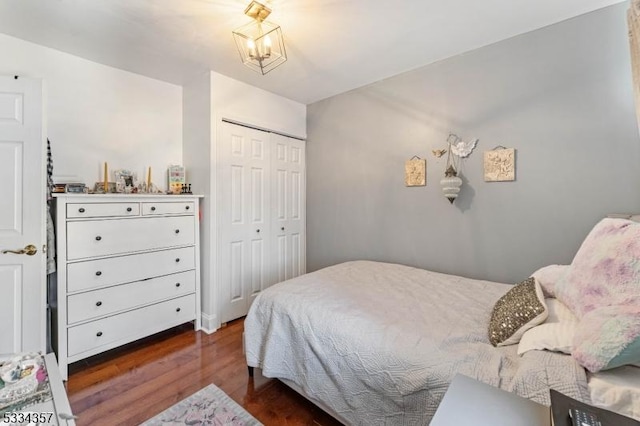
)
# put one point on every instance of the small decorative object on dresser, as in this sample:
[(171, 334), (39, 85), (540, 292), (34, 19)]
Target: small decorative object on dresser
[(176, 177), (126, 180), (128, 267)]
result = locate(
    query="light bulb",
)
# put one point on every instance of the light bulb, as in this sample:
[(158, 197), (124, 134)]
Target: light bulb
[(267, 46), (251, 46)]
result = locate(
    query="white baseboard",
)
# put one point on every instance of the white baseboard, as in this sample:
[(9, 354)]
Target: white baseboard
[(210, 323)]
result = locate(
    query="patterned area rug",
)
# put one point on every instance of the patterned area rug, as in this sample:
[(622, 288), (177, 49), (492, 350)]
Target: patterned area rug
[(208, 406)]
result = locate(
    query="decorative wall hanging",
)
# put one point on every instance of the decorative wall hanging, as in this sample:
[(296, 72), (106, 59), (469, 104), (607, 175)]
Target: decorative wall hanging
[(451, 183), (438, 152), (500, 164), (415, 172), (461, 148)]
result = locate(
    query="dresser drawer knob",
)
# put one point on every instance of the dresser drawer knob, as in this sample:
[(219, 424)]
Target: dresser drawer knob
[(98, 303), (98, 238), (129, 209), (81, 210), (98, 273), (153, 209), (282, 229), (177, 309), (177, 231), (177, 259), (186, 207), (177, 284), (99, 333)]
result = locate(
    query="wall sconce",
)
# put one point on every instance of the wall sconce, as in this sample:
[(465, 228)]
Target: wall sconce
[(260, 43), (451, 183)]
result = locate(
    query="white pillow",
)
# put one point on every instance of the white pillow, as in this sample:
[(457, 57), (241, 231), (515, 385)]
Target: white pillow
[(555, 334), (617, 390), (548, 276)]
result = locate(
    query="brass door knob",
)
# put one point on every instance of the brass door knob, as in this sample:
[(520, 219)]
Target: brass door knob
[(29, 250)]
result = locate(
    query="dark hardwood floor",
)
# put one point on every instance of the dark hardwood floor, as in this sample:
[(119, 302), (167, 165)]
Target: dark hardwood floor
[(133, 383)]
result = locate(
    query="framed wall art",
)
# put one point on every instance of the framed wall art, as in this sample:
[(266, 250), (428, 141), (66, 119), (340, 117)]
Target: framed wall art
[(500, 165), (415, 172)]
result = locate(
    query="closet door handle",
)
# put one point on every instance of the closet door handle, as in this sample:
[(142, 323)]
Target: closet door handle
[(98, 238), (29, 250), (98, 303)]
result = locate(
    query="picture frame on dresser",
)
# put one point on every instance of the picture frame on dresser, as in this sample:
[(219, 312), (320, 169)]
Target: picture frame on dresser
[(128, 267)]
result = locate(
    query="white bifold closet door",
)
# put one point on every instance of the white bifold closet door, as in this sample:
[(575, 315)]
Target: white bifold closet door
[(288, 207), (261, 215)]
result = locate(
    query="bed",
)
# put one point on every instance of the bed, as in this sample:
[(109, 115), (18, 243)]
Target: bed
[(378, 343)]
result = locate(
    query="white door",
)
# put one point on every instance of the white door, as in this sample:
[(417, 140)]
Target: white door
[(22, 216), (243, 188), (288, 209)]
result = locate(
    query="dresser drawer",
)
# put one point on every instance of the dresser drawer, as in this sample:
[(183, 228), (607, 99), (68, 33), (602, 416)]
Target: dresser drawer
[(106, 237), (128, 326), (182, 207), (102, 209), (124, 269), (107, 301)]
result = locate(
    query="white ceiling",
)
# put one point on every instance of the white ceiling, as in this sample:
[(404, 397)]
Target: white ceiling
[(333, 45)]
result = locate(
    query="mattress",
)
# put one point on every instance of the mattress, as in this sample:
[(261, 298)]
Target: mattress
[(379, 343), (617, 390)]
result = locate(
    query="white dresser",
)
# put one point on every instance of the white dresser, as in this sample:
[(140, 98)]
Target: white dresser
[(128, 267)]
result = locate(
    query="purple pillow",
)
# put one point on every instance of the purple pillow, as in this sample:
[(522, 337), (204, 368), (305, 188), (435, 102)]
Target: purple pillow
[(602, 288)]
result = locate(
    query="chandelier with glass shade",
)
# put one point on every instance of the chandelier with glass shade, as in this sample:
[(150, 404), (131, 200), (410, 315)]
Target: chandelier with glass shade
[(260, 43)]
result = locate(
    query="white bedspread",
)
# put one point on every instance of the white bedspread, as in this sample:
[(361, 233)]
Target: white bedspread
[(379, 343)]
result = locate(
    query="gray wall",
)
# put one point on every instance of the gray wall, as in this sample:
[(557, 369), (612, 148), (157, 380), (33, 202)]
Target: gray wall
[(562, 96)]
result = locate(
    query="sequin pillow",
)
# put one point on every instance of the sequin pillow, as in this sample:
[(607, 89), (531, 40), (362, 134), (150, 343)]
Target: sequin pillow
[(520, 309)]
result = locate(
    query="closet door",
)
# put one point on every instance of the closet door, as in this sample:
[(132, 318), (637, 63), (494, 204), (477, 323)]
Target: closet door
[(22, 217), (243, 186), (288, 207)]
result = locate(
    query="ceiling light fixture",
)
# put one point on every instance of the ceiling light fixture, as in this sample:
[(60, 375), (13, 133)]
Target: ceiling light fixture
[(260, 43)]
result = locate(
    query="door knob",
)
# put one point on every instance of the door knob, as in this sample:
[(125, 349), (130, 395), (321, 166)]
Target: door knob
[(29, 250)]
